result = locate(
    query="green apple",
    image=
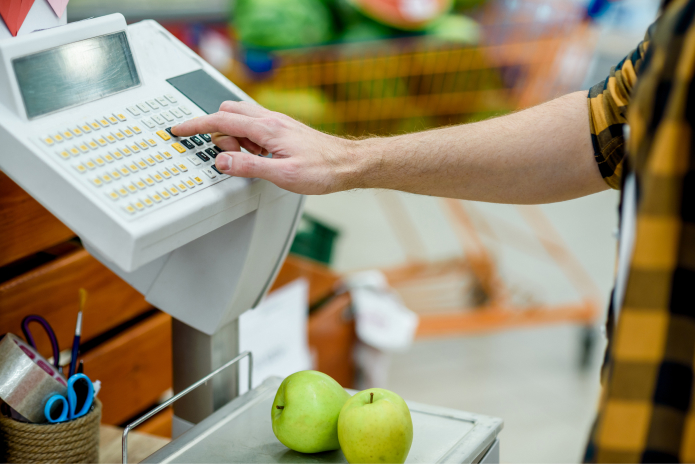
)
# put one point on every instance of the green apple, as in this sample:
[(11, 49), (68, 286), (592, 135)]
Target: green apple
[(375, 426), (305, 412)]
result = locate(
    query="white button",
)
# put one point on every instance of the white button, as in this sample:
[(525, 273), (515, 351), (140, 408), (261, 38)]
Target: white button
[(143, 108), (157, 119), (120, 116), (103, 122), (129, 209), (148, 122), (194, 159), (210, 173), (162, 101), (185, 110), (167, 116), (170, 97), (153, 104), (197, 180), (176, 113), (134, 111)]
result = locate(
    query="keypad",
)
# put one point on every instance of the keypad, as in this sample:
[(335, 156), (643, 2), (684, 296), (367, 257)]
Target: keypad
[(130, 158)]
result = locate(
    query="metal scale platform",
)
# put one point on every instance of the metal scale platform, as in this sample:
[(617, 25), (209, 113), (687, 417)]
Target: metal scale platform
[(241, 432)]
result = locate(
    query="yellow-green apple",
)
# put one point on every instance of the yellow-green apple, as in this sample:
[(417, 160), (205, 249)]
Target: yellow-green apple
[(375, 426), (305, 412)]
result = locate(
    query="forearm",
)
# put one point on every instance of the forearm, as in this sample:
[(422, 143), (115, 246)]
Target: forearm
[(539, 155)]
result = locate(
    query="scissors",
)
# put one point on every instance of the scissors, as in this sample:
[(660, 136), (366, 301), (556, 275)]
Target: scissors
[(49, 331), (80, 398)]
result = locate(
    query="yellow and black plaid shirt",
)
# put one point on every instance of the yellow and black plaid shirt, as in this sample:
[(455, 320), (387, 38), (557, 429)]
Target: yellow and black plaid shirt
[(647, 409)]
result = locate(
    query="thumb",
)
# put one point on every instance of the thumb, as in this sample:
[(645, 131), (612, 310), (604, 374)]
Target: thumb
[(239, 164)]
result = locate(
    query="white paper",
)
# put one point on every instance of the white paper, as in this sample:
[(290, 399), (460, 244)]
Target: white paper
[(41, 16), (276, 333)]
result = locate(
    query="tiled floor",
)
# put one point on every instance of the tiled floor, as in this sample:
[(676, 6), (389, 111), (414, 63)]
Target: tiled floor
[(528, 377)]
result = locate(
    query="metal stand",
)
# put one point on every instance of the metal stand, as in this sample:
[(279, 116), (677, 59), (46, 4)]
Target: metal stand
[(183, 393)]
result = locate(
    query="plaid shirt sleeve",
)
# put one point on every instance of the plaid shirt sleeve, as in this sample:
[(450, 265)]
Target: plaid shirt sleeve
[(608, 103), (647, 411)]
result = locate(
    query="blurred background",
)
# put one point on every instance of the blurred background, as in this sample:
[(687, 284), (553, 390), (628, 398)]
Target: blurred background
[(509, 301)]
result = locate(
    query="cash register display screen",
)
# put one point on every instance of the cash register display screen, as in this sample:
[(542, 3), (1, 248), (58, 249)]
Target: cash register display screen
[(75, 73)]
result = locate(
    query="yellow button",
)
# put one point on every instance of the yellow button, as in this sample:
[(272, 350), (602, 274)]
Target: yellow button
[(156, 198), (143, 145), (117, 154), (124, 171), (77, 131), (49, 141), (112, 120), (142, 164), (64, 154), (119, 135), (166, 195), (99, 161), (128, 132), (140, 184), (86, 128), (101, 141), (174, 171), (158, 178), (198, 180), (133, 167), (149, 181), (126, 151), (166, 174), (103, 122), (148, 202), (166, 154), (83, 148), (67, 134), (106, 178), (108, 158), (80, 168), (190, 183), (116, 175), (178, 147), (131, 188), (150, 161), (136, 129), (122, 192), (58, 138), (173, 190), (152, 142), (111, 138), (113, 195), (96, 181), (74, 151), (182, 167), (92, 144), (159, 158), (121, 116), (95, 125), (135, 148), (90, 164), (183, 187), (130, 209), (163, 135)]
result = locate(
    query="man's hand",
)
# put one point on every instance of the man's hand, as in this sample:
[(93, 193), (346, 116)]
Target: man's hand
[(304, 160)]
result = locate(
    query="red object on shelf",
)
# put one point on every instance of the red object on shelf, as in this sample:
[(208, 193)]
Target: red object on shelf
[(14, 12), (404, 14)]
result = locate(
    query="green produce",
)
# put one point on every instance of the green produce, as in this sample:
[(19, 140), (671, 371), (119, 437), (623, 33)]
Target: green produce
[(282, 23), (375, 426), (308, 105), (305, 412), (455, 28)]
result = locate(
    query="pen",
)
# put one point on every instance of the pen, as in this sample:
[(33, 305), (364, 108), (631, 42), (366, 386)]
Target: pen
[(78, 332)]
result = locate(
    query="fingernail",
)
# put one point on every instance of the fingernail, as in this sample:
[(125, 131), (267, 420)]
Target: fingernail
[(173, 128), (223, 162)]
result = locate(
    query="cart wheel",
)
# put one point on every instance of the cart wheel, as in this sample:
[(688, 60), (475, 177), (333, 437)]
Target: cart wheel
[(587, 345)]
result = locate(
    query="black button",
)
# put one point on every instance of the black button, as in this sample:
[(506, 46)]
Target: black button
[(202, 156), (218, 149), (206, 137), (196, 140), (168, 129), (211, 152), (215, 168), (187, 144)]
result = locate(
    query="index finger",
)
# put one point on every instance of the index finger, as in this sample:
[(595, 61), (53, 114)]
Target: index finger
[(235, 125)]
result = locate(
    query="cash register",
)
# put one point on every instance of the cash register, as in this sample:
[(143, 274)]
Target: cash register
[(85, 116)]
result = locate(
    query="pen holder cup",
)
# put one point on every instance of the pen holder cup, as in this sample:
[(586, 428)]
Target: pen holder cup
[(72, 441)]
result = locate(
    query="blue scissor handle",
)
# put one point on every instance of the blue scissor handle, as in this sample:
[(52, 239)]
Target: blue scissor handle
[(69, 404)]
